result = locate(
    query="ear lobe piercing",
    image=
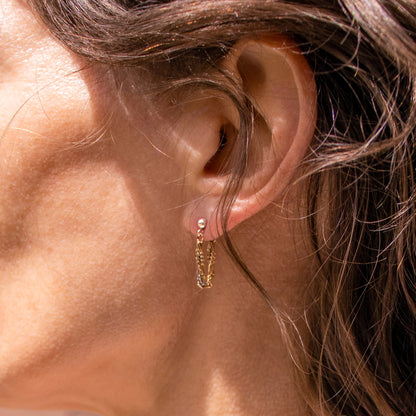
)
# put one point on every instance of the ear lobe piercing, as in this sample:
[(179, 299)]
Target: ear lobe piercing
[(204, 280)]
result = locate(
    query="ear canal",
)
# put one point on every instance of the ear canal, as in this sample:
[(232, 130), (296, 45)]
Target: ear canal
[(220, 164)]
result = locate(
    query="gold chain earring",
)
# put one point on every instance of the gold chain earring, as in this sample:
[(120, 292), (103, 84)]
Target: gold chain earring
[(204, 281)]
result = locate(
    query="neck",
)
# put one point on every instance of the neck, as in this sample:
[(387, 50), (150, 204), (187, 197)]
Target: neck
[(228, 358), (231, 361)]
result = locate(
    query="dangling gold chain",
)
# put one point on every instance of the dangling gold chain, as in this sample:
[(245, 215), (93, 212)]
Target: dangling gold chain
[(204, 281)]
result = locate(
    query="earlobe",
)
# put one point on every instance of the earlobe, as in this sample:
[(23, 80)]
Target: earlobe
[(278, 81)]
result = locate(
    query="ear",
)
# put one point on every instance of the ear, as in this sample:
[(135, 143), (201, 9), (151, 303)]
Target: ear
[(279, 83)]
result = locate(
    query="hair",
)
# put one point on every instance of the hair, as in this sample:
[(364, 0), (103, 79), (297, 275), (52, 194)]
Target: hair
[(360, 355)]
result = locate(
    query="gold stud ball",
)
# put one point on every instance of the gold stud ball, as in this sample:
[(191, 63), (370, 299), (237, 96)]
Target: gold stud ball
[(202, 223)]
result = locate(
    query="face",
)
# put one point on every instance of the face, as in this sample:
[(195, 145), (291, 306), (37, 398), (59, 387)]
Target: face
[(87, 206)]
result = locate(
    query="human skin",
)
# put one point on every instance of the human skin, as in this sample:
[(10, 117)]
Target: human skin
[(99, 307)]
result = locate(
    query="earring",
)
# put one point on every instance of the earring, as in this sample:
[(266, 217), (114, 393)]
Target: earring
[(204, 280)]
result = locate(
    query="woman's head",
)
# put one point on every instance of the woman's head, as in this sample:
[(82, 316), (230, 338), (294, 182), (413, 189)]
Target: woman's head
[(124, 122)]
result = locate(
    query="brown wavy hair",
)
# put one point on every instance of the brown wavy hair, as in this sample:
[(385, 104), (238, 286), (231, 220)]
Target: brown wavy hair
[(360, 355)]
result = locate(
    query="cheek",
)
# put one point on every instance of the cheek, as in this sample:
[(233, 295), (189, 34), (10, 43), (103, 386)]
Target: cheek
[(72, 230), (80, 261), (81, 276)]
